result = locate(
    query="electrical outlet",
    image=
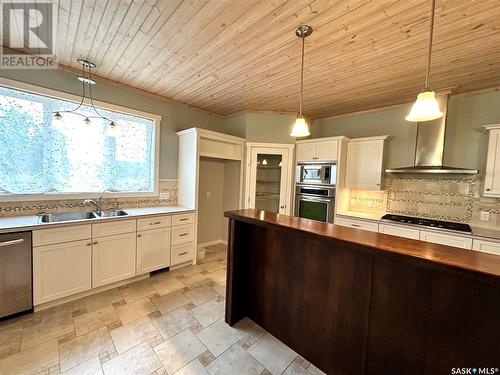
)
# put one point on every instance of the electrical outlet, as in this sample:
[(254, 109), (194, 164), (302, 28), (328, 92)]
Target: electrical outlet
[(485, 216), (165, 195), (353, 201), (209, 195), (369, 204)]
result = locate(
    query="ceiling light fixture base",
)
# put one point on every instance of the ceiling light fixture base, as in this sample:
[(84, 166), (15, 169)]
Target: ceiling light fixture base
[(303, 31), (86, 63)]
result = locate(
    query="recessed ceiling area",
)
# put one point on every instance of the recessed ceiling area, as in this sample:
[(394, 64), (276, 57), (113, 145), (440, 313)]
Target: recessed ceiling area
[(243, 55)]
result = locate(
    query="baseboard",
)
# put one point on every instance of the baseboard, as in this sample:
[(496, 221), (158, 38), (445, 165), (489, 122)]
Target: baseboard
[(210, 243)]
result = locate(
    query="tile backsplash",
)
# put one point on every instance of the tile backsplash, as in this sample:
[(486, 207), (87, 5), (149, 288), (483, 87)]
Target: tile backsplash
[(449, 198), (167, 197)]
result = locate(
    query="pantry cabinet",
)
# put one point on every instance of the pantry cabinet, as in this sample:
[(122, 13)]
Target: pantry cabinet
[(321, 149), (492, 174), (364, 167)]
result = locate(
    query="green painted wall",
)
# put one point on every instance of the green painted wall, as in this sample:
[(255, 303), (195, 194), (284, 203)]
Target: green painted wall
[(262, 127), (466, 140), (174, 117)]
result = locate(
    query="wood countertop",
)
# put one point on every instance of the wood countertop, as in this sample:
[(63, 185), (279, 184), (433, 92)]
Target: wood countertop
[(469, 260)]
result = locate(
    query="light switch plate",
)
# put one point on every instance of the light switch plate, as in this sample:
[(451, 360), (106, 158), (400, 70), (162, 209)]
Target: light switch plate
[(485, 216)]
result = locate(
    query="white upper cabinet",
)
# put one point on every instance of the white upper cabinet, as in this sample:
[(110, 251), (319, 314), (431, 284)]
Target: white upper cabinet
[(317, 150), (364, 167), (492, 176)]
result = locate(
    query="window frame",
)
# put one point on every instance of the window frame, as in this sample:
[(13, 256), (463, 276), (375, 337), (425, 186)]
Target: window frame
[(38, 90)]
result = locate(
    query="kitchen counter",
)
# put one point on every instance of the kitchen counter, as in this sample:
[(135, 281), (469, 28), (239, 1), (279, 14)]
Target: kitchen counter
[(22, 223), (357, 302), (477, 232)]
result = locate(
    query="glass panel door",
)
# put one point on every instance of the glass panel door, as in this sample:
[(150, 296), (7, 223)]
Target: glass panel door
[(268, 182)]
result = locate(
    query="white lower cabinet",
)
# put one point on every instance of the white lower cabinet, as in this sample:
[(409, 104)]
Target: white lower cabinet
[(113, 258), (360, 224), (153, 250), (400, 231), (486, 246), (61, 270), (446, 239), (183, 253)]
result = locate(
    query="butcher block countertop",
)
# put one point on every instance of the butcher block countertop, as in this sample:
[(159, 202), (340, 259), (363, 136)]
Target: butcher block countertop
[(446, 255)]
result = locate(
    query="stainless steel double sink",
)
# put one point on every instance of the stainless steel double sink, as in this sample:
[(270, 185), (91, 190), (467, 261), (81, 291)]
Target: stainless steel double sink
[(75, 216)]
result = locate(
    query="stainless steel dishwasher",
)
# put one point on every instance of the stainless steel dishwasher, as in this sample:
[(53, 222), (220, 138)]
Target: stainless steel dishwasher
[(16, 295)]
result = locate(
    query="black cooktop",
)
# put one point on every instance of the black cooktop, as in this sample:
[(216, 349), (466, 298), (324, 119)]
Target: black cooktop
[(429, 223)]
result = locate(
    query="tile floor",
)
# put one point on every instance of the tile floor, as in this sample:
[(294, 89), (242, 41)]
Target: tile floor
[(171, 323)]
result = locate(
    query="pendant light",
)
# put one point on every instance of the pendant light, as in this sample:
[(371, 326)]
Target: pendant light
[(300, 128), (87, 81), (426, 107)]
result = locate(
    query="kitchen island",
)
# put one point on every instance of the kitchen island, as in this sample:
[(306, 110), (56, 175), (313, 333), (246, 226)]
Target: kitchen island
[(358, 302)]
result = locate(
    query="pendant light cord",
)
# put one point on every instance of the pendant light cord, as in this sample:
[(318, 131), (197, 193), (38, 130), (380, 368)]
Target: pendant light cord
[(301, 78), (427, 74)]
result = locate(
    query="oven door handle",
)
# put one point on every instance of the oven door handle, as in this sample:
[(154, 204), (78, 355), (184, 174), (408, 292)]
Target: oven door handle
[(314, 199)]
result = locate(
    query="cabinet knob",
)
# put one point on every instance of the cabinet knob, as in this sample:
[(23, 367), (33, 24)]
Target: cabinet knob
[(488, 189), (95, 242), (282, 206), (89, 244)]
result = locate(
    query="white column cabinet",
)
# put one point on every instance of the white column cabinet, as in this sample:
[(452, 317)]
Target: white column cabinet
[(153, 250), (60, 270), (492, 175), (364, 165), (113, 259)]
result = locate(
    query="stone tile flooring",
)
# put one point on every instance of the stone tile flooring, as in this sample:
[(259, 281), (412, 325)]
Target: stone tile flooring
[(171, 323)]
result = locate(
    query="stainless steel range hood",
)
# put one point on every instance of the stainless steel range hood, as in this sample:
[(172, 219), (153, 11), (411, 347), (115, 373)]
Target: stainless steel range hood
[(429, 149)]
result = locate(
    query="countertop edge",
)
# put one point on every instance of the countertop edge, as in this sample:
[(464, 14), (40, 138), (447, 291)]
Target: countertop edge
[(169, 210)]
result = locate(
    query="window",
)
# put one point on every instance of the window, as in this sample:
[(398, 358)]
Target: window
[(42, 159)]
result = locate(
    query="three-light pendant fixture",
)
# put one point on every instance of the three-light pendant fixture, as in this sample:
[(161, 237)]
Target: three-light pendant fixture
[(87, 83)]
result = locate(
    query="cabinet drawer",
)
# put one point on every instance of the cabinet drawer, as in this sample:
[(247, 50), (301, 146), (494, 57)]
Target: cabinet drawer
[(182, 219), (182, 234), (182, 253), (486, 246), (113, 227), (396, 230), (446, 239), (154, 222), (60, 235), (360, 224)]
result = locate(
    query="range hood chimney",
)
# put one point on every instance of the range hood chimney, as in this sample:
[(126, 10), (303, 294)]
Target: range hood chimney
[(429, 149)]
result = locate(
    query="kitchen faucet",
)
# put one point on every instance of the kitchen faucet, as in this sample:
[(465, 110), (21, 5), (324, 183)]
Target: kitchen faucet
[(94, 202)]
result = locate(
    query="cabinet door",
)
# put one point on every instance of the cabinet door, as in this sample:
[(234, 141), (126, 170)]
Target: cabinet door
[(400, 231), (327, 150), (153, 250), (269, 180), (61, 270), (486, 246), (492, 175), (446, 239), (113, 259), (306, 152), (364, 164)]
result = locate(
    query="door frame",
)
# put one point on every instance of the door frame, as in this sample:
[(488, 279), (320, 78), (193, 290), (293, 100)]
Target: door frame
[(287, 184)]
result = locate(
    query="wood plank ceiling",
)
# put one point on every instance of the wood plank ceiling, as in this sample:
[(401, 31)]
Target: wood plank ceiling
[(228, 56)]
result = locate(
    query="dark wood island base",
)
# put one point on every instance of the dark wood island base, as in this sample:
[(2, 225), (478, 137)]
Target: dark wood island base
[(357, 302)]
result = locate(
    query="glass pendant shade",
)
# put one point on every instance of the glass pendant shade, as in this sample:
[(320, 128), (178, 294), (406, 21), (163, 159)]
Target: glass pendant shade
[(300, 128), (426, 108)]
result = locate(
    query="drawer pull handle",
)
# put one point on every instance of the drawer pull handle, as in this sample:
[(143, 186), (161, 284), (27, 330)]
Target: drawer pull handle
[(95, 242), (89, 244), (355, 225), (183, 219), (11, 242), (184, 253), (155, 223), (183, 234), (139, 235)]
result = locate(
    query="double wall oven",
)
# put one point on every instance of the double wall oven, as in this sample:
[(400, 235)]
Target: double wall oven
[(315, 191)]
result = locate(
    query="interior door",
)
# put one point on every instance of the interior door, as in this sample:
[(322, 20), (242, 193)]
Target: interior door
[(269, 172)]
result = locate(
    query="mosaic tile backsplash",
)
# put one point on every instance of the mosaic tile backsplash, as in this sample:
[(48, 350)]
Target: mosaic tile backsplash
[(442, 198), (167, 197)]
